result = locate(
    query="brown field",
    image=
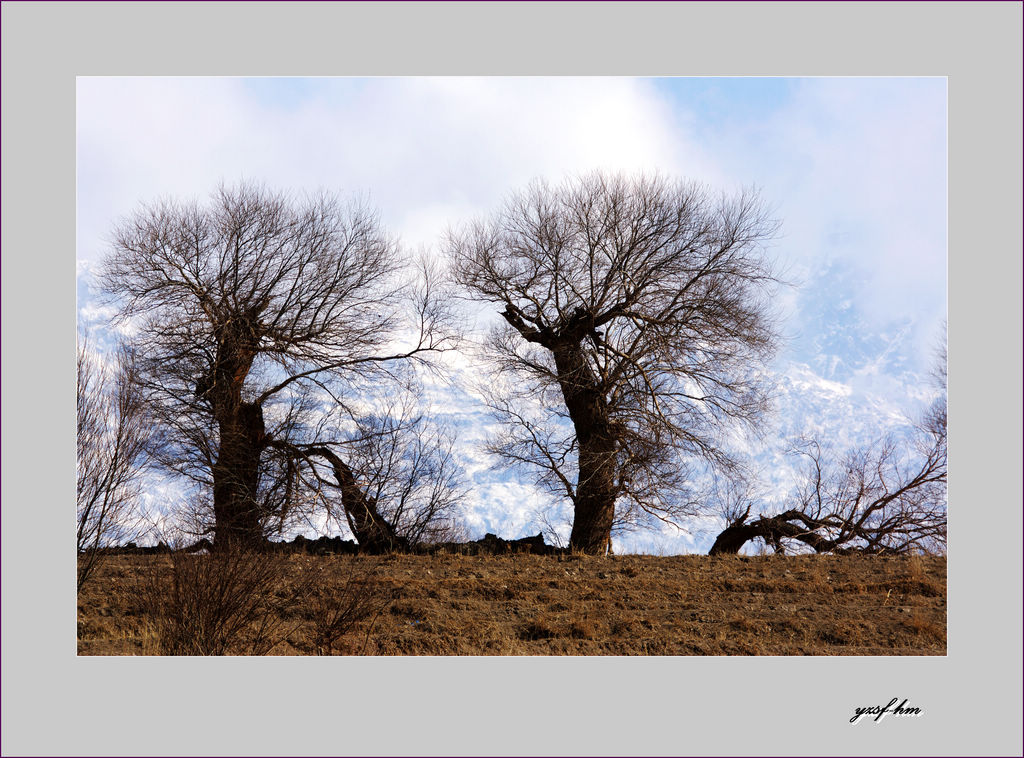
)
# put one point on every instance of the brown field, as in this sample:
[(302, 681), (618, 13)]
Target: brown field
[(449, 604)]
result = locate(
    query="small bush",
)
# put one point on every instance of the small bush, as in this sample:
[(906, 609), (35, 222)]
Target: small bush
[(238, 602), (217, 604)]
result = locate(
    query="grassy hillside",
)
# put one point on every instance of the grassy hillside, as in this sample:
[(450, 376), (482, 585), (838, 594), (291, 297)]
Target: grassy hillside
[(519, 605)]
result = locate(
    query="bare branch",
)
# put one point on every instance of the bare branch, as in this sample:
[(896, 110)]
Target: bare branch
[(111, 454)]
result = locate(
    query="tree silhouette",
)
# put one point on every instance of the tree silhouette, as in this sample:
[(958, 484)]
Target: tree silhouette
[(636, 320), (252, 315)]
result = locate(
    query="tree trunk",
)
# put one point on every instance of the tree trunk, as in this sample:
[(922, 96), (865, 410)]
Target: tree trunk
[(236, 479), (236, 473), (595, 489), (372, 531), (595, 496), (732, 538)]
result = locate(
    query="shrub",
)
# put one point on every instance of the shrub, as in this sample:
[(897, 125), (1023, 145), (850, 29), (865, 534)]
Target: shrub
[(217, 604)]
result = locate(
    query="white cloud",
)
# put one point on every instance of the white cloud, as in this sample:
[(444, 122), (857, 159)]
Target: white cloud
[(427, 151), (857, 170), (855, 167)]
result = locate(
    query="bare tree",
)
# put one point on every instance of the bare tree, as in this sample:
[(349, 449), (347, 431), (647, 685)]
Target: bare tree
[(636, 321), (889, 497), (111, 454), (253, 315)]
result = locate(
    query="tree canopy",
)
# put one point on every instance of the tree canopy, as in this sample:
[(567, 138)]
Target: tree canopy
[(637, 314), (251, 315)]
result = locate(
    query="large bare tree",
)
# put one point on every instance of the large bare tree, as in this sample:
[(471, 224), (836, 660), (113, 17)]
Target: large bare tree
[(636, 326), (253, 315), (111, 453)]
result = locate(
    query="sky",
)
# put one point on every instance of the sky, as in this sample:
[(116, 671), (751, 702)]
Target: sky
[(855, 169)]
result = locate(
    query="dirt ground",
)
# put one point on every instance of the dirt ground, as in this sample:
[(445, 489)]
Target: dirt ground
[(451, 604)]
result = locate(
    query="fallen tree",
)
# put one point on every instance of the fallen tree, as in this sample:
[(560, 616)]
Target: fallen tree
[(878, 499)]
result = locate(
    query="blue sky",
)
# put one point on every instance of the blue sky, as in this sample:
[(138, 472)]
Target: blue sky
[(854, 168), (721, 101)]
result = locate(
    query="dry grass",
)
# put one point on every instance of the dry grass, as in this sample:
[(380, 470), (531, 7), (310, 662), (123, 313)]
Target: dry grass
[(579, 605)]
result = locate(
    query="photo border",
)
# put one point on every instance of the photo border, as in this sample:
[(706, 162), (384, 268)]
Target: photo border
[(57, 703)]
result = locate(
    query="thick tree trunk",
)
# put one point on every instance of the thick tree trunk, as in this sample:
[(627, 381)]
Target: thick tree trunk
[(585, 400), (733, 538), (236, 479), (595, 489), (236, 472), (595, 497)]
